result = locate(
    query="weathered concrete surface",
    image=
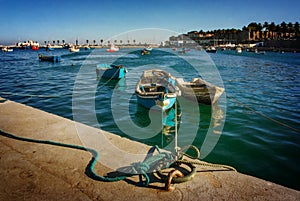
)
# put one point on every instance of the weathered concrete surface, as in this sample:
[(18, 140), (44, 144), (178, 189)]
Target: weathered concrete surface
[(31, 171)]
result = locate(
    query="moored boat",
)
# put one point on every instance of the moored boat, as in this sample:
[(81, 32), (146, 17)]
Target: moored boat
[(74, 49), (49, 48), (211, 50), (112, 48), (148, 48), (110, 71), (156, 88), (35, 47), (145, 51), (199, 90), (6, 49), (49, 58), (239, 50)]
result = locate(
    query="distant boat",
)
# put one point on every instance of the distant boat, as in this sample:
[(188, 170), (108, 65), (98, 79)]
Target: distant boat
[(148, 48), (6, 49), (110, 71), (34, 47), (145, 51), (156, 88), (49, 58), (112, 48), (74, 49), (239, 50), (49, 48), (199, 90), (211, 50)]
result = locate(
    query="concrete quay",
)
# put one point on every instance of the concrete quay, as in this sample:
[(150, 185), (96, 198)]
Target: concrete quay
[(33, 171)]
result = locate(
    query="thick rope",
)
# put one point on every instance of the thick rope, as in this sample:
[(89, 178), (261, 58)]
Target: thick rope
[(89, 169), (142, 168)]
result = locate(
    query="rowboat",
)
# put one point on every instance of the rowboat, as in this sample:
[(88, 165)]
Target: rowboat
[(49, 58), (199, 90), (110, 71), (156, 88)]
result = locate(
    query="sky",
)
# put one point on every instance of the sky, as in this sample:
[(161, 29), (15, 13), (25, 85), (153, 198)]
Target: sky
[(48, 20)]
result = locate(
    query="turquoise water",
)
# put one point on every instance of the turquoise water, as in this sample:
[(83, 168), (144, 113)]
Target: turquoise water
[(252, 143)]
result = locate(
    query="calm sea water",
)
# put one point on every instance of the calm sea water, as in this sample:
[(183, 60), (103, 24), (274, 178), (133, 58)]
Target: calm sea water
[(252, 143)]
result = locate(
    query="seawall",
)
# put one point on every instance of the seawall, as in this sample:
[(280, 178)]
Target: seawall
[(34, 171)]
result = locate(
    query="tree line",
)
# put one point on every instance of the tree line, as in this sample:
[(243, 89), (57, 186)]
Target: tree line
[(258, 31)]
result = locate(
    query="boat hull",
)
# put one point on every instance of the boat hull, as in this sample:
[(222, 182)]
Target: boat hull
[(35, 48), (108, 72), (149, 102), (49, 58), (200, 91)]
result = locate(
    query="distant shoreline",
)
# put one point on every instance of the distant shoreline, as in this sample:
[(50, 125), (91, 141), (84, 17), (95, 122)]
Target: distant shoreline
[(275, 47)]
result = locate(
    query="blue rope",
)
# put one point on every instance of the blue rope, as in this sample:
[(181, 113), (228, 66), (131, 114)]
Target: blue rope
[(163, 160)]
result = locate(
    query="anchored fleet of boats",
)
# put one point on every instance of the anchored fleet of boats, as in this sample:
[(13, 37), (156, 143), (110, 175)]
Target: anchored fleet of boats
[(155, 88)]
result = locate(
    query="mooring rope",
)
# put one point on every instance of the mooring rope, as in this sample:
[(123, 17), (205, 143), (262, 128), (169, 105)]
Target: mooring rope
[(263, 115), (162, 159)]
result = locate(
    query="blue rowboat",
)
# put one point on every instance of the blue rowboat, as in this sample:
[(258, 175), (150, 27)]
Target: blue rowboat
[(110, 71), (49, 58), (156, 88)]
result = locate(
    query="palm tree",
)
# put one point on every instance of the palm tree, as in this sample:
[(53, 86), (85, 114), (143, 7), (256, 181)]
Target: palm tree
[(283, 29), (101, 41), (266, 29), (63, 41), (252, 28), (259, 29), (58, 42), (272, 29), (296, 28), (94, 41), (87, 42), (134, 42), (115, 41), (290, 28), (128, 41), (54, 42)]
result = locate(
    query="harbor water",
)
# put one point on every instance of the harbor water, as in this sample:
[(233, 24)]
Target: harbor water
[(255, 126)]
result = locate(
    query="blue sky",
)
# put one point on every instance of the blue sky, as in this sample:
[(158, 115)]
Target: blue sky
[(100, 19)]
